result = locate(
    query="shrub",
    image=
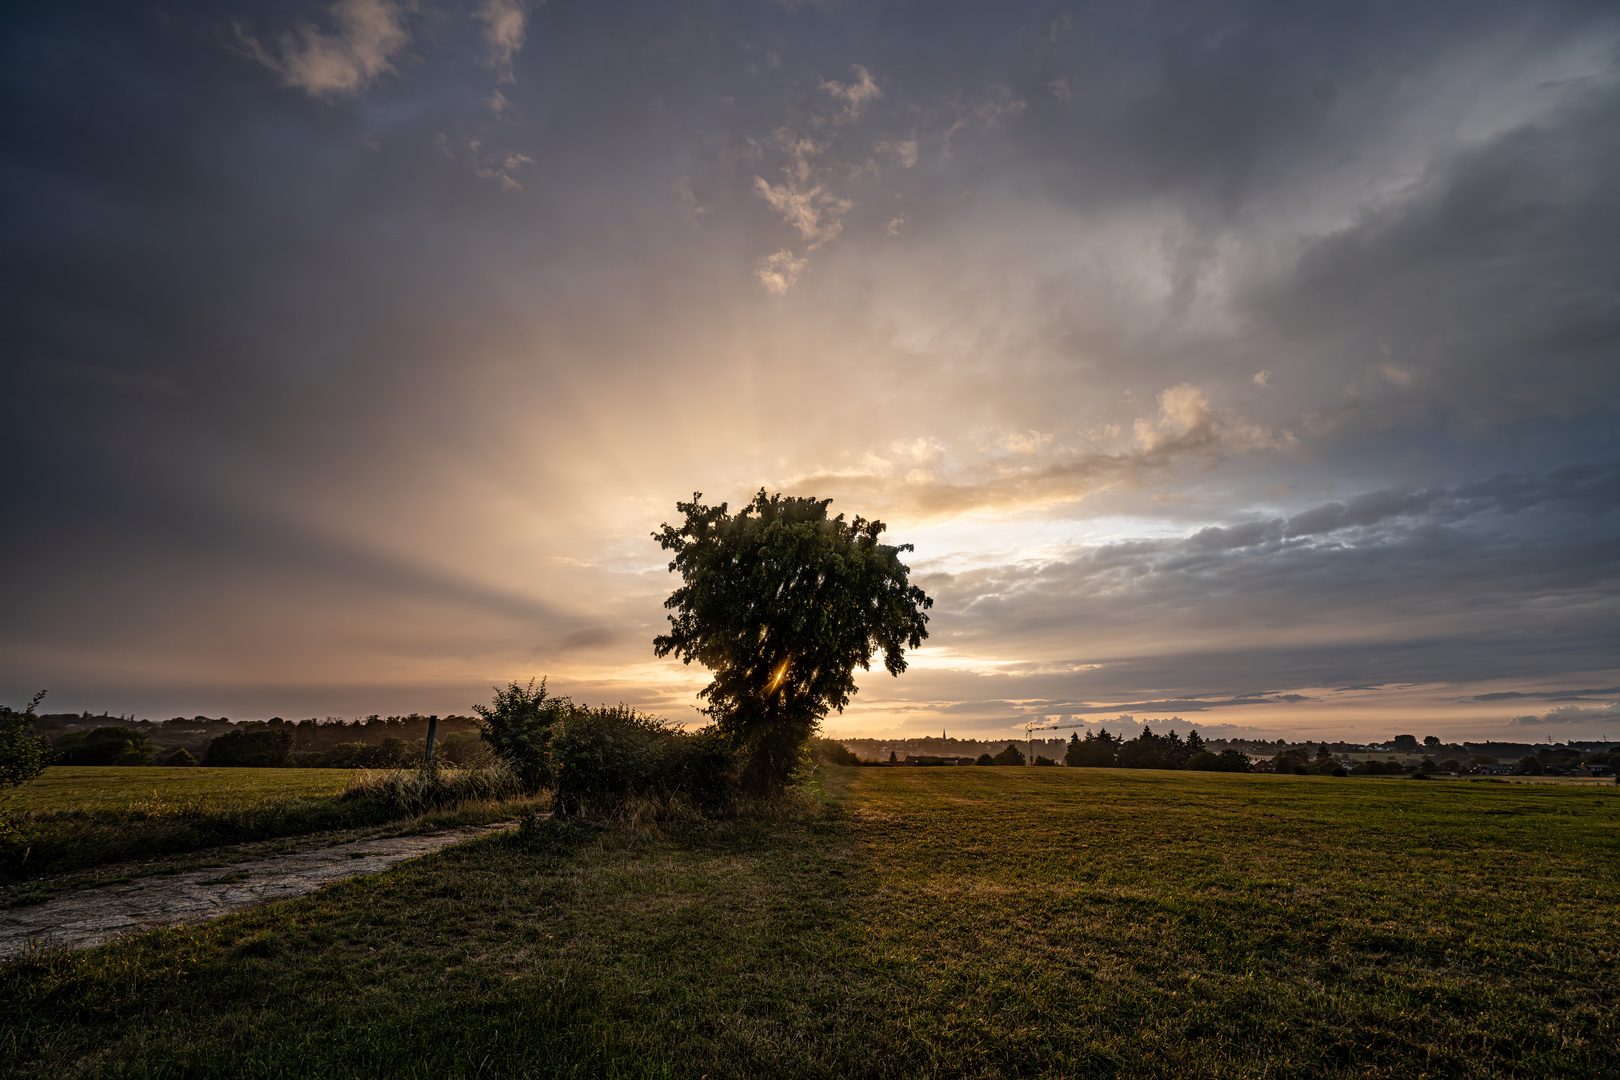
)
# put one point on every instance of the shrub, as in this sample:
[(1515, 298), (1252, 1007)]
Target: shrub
[(23, 755), (260, 749), (1338, 770), (832, 752), (600, 757), (1040, 760), (984, 759), (465, 749), (181, 756), (518, 726)]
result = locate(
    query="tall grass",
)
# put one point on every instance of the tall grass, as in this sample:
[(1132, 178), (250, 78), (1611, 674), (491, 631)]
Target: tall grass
[(410, 792)]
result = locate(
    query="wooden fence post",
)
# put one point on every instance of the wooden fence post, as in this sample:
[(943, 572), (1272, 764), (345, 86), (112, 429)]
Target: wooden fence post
[(433, 729)]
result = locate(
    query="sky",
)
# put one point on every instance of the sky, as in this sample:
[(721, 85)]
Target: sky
[(1256, 364)]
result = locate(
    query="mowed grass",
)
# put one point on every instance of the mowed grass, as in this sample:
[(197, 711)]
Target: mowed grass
[(76, 818), (912, 922), (1094, 922)]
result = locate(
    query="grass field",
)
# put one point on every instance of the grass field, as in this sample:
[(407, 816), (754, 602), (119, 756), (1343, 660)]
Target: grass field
[(74, 818), (913, 922), (138, 789)]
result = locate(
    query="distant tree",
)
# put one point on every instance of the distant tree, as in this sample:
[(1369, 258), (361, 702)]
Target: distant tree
[(1451, 765), (1010, 756), (1203, 761), (1529, 766), (1195, 743), (1041, 759), (181, 756), (1406, 744), (781, 603), (984, 759), (893, 760), (262, 749), (1431, 741), (1152, 751), (23, 754), (518, 726), (1234, 761), (1427, 765), (107, 745), (1096, 751)]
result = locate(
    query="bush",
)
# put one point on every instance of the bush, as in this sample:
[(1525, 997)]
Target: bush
[(466, 749), (1040, 760), (263, 748), (23, 755), (600, 757), (984, 759), (181, 756), (1338, 770), (832, 752), (518, 726)]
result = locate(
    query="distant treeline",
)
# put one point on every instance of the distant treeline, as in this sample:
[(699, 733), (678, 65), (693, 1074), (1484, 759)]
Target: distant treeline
[(375, 742)]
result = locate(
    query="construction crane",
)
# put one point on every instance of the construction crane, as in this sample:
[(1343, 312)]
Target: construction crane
[(1030, 727)]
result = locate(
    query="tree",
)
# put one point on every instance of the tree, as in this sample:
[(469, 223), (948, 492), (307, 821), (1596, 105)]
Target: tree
[(23, 755), (1010, 756), (264, 748), (1097, 750), (781, 603), (109, 745), (1407, 744), (1431, 741), (1195, 743)]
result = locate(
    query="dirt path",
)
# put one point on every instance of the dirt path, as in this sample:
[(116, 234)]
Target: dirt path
[(96, 915)]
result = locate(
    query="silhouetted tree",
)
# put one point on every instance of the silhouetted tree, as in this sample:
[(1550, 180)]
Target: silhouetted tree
[(781, 603), (264, 748), (109, 745), (1010, 756), (1097, 750)]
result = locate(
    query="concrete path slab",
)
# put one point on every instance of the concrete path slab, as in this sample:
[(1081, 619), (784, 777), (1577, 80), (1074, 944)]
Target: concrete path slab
[(96, 915)]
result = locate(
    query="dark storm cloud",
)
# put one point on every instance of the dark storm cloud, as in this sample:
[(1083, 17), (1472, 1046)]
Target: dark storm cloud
[(1512, 574)]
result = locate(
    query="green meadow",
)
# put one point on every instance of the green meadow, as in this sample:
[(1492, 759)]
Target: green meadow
[(910, 922), (82, 818)]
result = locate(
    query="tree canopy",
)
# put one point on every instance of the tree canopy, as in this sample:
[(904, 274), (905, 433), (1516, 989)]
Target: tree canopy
[(781, 603)]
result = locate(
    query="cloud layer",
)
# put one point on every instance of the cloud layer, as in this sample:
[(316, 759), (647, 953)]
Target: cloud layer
[(1238, 361)]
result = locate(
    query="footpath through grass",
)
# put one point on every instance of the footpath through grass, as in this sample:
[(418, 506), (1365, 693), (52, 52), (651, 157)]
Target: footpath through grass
[(917, 922)]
